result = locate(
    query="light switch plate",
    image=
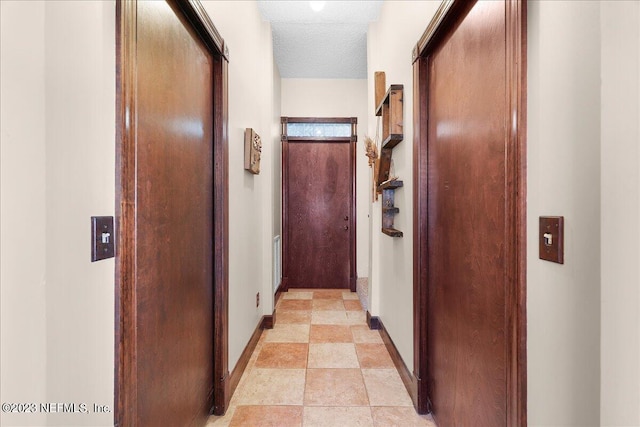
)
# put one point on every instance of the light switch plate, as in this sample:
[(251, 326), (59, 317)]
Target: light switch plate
[(551, 239), (102, 238)]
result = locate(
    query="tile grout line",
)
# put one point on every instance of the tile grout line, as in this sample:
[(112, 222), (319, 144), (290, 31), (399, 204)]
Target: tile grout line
[(352, 323)]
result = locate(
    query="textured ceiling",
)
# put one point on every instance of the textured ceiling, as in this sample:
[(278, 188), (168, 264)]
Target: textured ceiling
[(329, 44)]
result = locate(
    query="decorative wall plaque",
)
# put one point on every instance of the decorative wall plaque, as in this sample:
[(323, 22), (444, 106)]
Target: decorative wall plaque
[(252, 151)]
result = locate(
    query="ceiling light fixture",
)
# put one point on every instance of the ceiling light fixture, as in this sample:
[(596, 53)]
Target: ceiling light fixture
[(317, 6)]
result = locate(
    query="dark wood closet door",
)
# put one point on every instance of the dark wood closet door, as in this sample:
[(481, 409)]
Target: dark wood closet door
[(318, 212), (467, 225), (174, 208)]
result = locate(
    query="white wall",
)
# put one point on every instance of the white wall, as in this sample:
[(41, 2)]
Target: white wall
[(252, 82), (80, 182), (58, 163), (338, 98), (563, 150), (620, 208), (22, 208), (389, 44), (276, 133)]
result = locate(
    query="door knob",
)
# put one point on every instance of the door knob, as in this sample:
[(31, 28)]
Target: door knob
[(346, 218), (346, 227)]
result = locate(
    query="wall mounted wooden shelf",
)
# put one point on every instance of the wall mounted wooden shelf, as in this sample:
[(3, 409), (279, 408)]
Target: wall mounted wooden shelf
[(391, 110), (388, 209)]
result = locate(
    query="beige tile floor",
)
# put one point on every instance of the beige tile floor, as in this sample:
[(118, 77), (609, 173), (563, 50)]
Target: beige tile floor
[(320, 366)]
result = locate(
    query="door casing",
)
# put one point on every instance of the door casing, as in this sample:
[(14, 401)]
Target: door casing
[(285, 178)]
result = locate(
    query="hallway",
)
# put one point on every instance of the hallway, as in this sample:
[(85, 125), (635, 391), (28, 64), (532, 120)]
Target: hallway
[(64, 127), (320, 365)]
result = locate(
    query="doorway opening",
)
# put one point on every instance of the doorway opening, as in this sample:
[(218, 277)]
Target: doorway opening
[(319, 203)]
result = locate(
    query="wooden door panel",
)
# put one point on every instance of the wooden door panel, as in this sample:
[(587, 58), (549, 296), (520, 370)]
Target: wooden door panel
[(319, 200), (174, 208), (467, 350)]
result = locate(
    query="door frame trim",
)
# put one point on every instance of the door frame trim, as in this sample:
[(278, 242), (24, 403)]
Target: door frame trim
[(126, 323), (284, 286), (448, 14)]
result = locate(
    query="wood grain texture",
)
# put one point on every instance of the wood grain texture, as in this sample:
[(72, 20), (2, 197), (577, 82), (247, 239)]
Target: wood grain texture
[(420, 241), (174, 208), (195, 12), (349, 219), (318, 210), (171, 140), (469, 306), (318, 199), (467, 224), (516, 195), (125, 396), (384, 165), (396, 123), (439, 25), (222, 395)]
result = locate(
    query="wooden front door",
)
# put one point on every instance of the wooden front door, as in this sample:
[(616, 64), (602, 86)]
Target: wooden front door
[(318, 213), (473, 205), (169, 83)]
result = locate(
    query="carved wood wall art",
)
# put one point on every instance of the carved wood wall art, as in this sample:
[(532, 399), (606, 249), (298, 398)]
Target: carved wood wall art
[(252, 151)]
